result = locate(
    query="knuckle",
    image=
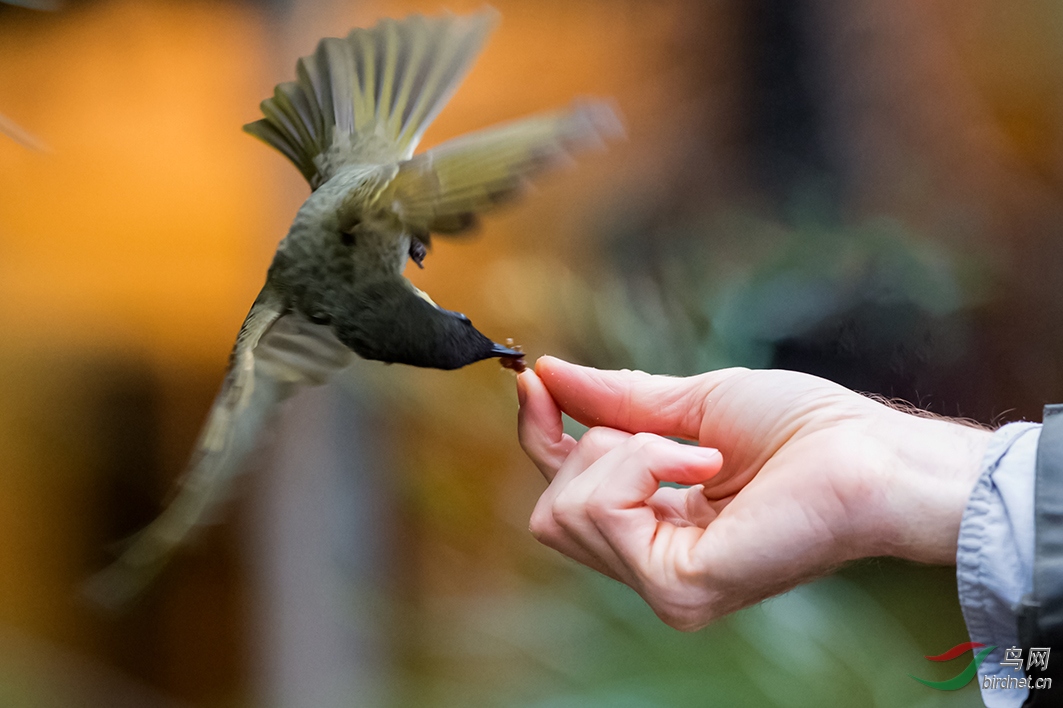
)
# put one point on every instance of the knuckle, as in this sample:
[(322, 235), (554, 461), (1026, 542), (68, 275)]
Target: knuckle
[(681, 616), (532, 445), (640, 440), (682, 621), (646, 447), (541, 525), (565, 511), (654, 445), (597, 510), (592, 436), (598, 440), (524, 439), (685, 603)]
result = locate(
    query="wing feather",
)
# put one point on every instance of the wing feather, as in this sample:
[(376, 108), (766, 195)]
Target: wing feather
[(275, 353), (443, 189), (367, 98)]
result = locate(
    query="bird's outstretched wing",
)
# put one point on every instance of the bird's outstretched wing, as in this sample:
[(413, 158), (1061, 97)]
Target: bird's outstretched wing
[(367, 98), (443, 189), (275, 353)]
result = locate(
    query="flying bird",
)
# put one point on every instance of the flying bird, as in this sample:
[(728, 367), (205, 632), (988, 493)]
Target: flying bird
[(350, 122)]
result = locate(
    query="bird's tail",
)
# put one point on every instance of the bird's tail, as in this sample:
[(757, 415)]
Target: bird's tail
[(371, 94), (275, 354)]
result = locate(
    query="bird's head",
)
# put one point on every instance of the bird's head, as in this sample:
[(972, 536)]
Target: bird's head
[(389, 320)]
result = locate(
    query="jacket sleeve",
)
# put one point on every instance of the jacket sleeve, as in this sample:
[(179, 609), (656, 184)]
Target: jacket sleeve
[(995, 556)]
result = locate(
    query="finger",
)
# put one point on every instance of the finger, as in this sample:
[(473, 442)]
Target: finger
[(546, 531), (630, 400), (669, 504), (539, 426), (682, 506), (591, 446), (613, 492), (544, 525), (594, 443)]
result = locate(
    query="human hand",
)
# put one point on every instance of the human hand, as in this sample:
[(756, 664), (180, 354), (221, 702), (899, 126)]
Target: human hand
[(808, 475)]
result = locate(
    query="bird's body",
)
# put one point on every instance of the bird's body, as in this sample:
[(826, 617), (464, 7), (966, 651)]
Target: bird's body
[(350, 123), (315, 263)]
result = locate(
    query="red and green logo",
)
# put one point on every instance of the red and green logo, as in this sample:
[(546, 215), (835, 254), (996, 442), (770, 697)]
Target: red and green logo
[(965, 676)]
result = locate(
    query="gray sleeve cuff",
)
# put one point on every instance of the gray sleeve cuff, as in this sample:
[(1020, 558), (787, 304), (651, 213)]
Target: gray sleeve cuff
[(994, 558)]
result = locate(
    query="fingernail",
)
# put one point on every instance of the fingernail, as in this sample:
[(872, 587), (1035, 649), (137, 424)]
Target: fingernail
[(522, 391), (552, 361)]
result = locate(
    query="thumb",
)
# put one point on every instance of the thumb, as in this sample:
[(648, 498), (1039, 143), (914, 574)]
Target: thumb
[(633, 401)]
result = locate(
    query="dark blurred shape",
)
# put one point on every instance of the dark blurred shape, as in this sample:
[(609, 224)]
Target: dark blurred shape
[(897, 350), (126, 425), (45, 5), (823, 111), (786, 136)]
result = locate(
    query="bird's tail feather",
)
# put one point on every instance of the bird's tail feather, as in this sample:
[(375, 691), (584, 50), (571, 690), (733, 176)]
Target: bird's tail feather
[(372, 94), (144, 555)]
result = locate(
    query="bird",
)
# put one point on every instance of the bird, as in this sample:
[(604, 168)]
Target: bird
[(350, 122)]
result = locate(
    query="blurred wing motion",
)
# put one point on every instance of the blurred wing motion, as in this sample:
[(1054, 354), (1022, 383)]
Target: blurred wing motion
[(442, 189), (275, 354), (12, 130), (367, 98)]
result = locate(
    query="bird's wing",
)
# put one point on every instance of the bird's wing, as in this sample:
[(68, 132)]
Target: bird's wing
[(443, 189), (367, 98), (275, 353)]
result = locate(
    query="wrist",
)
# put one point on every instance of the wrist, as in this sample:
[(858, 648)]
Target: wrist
[(925, 482)]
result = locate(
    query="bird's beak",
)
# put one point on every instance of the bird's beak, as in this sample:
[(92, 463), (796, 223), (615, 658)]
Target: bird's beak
[(512, 359), (499, 350)]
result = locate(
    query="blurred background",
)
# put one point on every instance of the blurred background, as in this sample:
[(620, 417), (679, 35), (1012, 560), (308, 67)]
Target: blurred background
[(870, 191)]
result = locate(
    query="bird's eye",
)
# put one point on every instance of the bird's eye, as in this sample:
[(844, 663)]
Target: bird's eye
[(347, 238)]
